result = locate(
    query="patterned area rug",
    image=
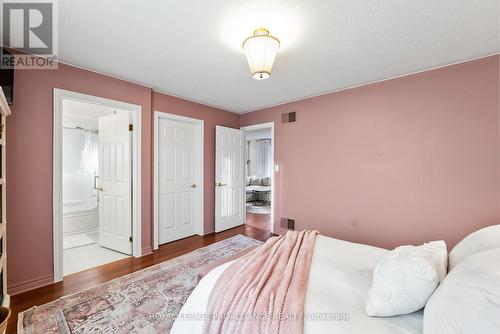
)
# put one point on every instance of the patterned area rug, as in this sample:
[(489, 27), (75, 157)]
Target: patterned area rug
[(146, 301)]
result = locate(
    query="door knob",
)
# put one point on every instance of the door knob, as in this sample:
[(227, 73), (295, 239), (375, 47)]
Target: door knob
[(194, 185), (99, 188), (221, 184)]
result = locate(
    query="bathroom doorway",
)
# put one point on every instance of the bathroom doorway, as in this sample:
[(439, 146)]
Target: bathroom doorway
[(95, 224)]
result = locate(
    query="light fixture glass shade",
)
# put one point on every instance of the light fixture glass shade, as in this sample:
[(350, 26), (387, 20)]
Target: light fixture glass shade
[(261, 50)]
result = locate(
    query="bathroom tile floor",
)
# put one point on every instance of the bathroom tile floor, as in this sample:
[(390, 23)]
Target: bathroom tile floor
[(89, 256)]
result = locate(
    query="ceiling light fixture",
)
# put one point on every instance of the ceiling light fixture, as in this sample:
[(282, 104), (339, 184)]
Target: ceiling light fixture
[(261, 50)]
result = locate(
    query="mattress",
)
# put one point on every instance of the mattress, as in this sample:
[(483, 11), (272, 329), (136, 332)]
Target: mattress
[(339, 280)]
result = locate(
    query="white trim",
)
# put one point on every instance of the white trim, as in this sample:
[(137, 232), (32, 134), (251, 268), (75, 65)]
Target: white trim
[(321, 93), (201, 125), (241, 112), (327, 92), (273, 185), (136, 113)]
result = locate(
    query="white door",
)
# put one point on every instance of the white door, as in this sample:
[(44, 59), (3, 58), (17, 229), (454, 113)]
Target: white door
[(229, 175), (179, 202), (115, 209)]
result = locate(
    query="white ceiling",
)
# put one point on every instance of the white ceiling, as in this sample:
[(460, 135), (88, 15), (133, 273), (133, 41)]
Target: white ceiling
[(84, 109), (258, 134), (192, 48), (84, 115)]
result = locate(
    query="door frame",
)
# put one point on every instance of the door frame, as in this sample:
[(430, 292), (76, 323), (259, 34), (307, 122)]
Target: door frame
[(273, 184), (136, 113), (200, 125)]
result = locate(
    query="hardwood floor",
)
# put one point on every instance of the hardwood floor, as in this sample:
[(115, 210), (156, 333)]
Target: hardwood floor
[(95, 276), (257, 220)]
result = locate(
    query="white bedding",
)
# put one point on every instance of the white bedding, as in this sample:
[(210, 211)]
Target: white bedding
[(339, 280)]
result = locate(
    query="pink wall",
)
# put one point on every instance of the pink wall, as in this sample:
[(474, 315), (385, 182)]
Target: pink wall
[(212, 117), (412, 159), (29, 163)]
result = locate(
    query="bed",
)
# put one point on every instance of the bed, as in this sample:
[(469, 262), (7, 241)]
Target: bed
[(339, 280)]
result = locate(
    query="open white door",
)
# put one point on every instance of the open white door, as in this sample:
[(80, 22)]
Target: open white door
[(229, 175), (115, 225)]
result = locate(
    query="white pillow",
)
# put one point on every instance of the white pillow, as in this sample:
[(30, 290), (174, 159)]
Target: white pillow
[(405, 278), (484, 239), (468, 300)]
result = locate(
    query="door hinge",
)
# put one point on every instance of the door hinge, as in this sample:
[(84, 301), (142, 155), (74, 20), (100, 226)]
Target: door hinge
[(130, 239), (131, 127)]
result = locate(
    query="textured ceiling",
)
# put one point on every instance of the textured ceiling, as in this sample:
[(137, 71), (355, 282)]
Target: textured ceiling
[(192, 48)]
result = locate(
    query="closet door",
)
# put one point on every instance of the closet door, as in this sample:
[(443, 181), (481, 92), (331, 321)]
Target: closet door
[(115, 210), (179, 197)]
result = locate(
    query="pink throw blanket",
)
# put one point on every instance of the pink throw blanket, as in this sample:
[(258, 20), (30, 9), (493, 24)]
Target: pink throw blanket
[(264, 291)]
